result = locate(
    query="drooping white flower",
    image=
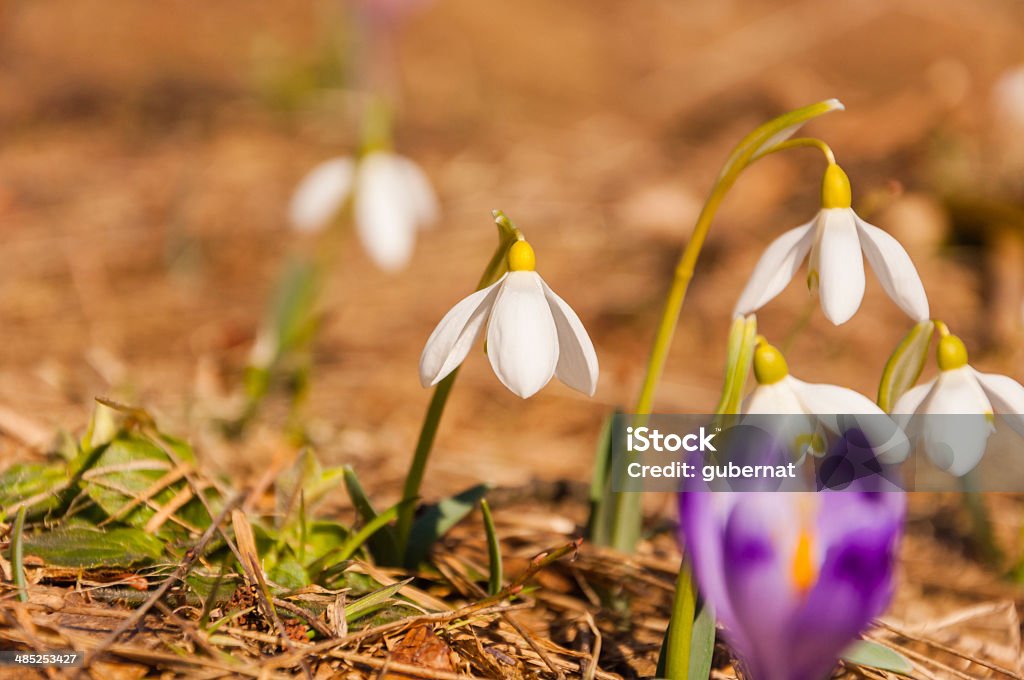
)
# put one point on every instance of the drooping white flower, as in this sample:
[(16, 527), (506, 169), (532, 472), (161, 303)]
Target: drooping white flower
[(532, 334), (955, 411), (838, 241), (809, 406), (392, 199)]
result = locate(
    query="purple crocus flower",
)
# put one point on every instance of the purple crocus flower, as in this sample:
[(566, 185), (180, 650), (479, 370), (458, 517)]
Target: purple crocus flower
[(792, 577)]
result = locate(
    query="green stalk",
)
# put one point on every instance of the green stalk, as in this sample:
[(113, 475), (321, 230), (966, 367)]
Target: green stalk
[(674, 663), (766, 139), (507, 235)]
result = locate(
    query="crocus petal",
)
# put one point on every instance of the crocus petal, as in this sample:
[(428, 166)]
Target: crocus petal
[(422, 199), (841, 266), (320, 194), (830, 403), (577, 360), (1006, 396), (758, 542), (450, 342), (522, 341), (956, 444), (775, 269), (384, 215), (855, 582), (894, 269)]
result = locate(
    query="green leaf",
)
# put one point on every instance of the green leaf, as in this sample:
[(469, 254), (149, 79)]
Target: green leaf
[(18, 555), (702, 642), (602, 502), (383, 544), (24, 481), (437, 520), (873, 655), (81, 547), (133, 463), (496, 574), (374, 601), (742, 337), (288, 572), (905, 365)]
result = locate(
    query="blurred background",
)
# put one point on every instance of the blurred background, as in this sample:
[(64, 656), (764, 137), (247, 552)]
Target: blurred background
[(149, 150)]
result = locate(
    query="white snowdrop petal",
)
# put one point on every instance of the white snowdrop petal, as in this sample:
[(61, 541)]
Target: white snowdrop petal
[(384, 216), (775, 269), (776, 398), (1006, 396), (453, 337), (577, 360), (895, 270), (776, 408), (841, 274), (912, 399), (956, 444), (838, 409), (320, 194), (422, 199), (522, 341)]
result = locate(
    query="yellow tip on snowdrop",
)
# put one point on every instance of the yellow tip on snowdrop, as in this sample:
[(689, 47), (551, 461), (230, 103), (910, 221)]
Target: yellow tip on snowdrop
[(835, 188), (521, 257), (769, 365), (952, 353)]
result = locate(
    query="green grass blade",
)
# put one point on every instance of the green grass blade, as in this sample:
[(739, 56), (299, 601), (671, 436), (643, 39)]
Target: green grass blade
[(18, 555), (374, 601), (383, 545), (493, 551)]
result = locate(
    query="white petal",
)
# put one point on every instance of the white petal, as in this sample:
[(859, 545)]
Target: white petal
[(450, 342), (577, 360), (841, 266), (776, 398), (1006, 396), (422, 198), (320, 194), (912, 399), (831, 403), (775, 269), (894, 269), (776, 408), (956, 444), (384, 214), (522, 342)]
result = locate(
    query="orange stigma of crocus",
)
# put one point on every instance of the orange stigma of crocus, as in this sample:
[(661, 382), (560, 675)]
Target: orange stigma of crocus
[(804, 572)]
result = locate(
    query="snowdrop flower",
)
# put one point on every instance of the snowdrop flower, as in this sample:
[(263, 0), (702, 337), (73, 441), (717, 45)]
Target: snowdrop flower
[(810, 406), (532, 334), (957, 443), (392, 199), (792, 577), (835, 239)]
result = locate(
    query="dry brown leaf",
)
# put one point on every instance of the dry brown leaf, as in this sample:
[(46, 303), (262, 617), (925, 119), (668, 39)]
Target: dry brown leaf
[(420, 647)]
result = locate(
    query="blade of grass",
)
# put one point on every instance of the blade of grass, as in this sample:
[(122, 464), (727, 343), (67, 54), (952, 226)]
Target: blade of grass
[(18, 555), (437, 520), (384, 544), (493, 551), (374, 601)]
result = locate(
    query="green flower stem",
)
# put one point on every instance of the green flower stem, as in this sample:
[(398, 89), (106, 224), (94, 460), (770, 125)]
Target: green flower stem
[(507, 235), (766, 139), (678, 636)]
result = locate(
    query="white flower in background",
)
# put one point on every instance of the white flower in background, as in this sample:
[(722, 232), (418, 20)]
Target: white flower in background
[(955, 411), (391, 196), (809, 406), (1008, 96), (532, 334), (835, 239)]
